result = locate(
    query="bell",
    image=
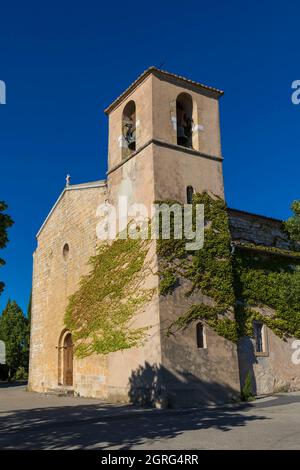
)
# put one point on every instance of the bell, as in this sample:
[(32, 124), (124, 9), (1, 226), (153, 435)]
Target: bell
[(131, 145)]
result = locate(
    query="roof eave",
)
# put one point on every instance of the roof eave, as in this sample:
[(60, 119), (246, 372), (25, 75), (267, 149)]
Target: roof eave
[(214, 92), (95, 184)]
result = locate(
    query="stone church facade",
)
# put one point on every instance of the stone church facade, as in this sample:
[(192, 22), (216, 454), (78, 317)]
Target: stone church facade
[(164, 141)]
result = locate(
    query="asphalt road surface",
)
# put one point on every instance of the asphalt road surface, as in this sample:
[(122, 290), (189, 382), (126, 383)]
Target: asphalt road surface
[(33, 421)]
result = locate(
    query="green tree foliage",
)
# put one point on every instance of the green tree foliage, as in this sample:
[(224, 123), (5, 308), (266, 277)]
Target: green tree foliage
[(14, 331), (29, 308), (5, 223), (293, 223)]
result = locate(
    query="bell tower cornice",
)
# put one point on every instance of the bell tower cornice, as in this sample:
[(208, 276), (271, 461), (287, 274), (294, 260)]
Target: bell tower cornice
[(170, 77)]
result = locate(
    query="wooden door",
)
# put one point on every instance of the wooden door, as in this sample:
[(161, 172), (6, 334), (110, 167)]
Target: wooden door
[(68, 360)]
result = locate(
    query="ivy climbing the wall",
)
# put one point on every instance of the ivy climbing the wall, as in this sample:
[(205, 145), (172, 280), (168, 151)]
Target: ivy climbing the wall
[(267, 281), (209, 270), (99, 313), (249, 283), (240, 283)]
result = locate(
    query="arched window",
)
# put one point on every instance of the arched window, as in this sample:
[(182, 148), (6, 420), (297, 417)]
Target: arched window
[(200, 336), (184, 119), (189, 194), (129, 129), (259, 337)]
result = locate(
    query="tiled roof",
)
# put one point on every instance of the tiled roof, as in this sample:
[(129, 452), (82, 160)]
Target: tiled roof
[(165, 74), (233, 211)]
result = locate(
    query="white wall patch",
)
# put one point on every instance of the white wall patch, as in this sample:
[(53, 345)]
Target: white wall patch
[(174, 122)]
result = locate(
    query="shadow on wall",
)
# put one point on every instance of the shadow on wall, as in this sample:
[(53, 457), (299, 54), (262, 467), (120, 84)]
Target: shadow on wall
[(245, 347), (67, 424), (156, 386), (246, 360)]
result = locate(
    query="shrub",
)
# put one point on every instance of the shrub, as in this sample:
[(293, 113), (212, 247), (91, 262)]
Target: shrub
[(247, 394)]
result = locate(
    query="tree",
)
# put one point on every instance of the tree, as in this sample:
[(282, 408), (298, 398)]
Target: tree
[(14, 331), (29, 308), (5, 223), (293, 223)]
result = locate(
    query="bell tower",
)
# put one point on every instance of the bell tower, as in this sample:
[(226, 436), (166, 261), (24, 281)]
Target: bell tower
[(164, 140)]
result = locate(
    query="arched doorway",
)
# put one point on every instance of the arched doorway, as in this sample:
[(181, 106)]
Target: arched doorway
[(65, 359)]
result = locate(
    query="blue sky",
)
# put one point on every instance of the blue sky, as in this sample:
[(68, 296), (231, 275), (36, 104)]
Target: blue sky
[(64, 62)]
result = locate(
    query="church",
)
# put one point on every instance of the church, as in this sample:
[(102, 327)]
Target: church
[(164, 145)]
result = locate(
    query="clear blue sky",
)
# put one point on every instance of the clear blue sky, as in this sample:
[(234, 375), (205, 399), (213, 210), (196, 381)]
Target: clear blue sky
[(64, 62)]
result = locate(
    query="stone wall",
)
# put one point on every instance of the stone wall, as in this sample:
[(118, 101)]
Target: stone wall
[(273, 370), (252, 228), (195, 376), (55, 278)]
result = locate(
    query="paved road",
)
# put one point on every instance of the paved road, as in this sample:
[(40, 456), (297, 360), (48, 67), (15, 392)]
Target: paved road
[(33, 421)]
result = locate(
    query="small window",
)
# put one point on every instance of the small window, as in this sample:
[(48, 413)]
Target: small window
[(200, 336), (189, 194), (259, 339), (66, 250)]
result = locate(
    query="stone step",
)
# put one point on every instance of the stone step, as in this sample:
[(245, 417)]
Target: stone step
[(60, 391)]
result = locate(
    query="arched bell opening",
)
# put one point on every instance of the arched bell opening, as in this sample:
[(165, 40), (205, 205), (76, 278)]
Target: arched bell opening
[(129, 129), (184, 120)]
